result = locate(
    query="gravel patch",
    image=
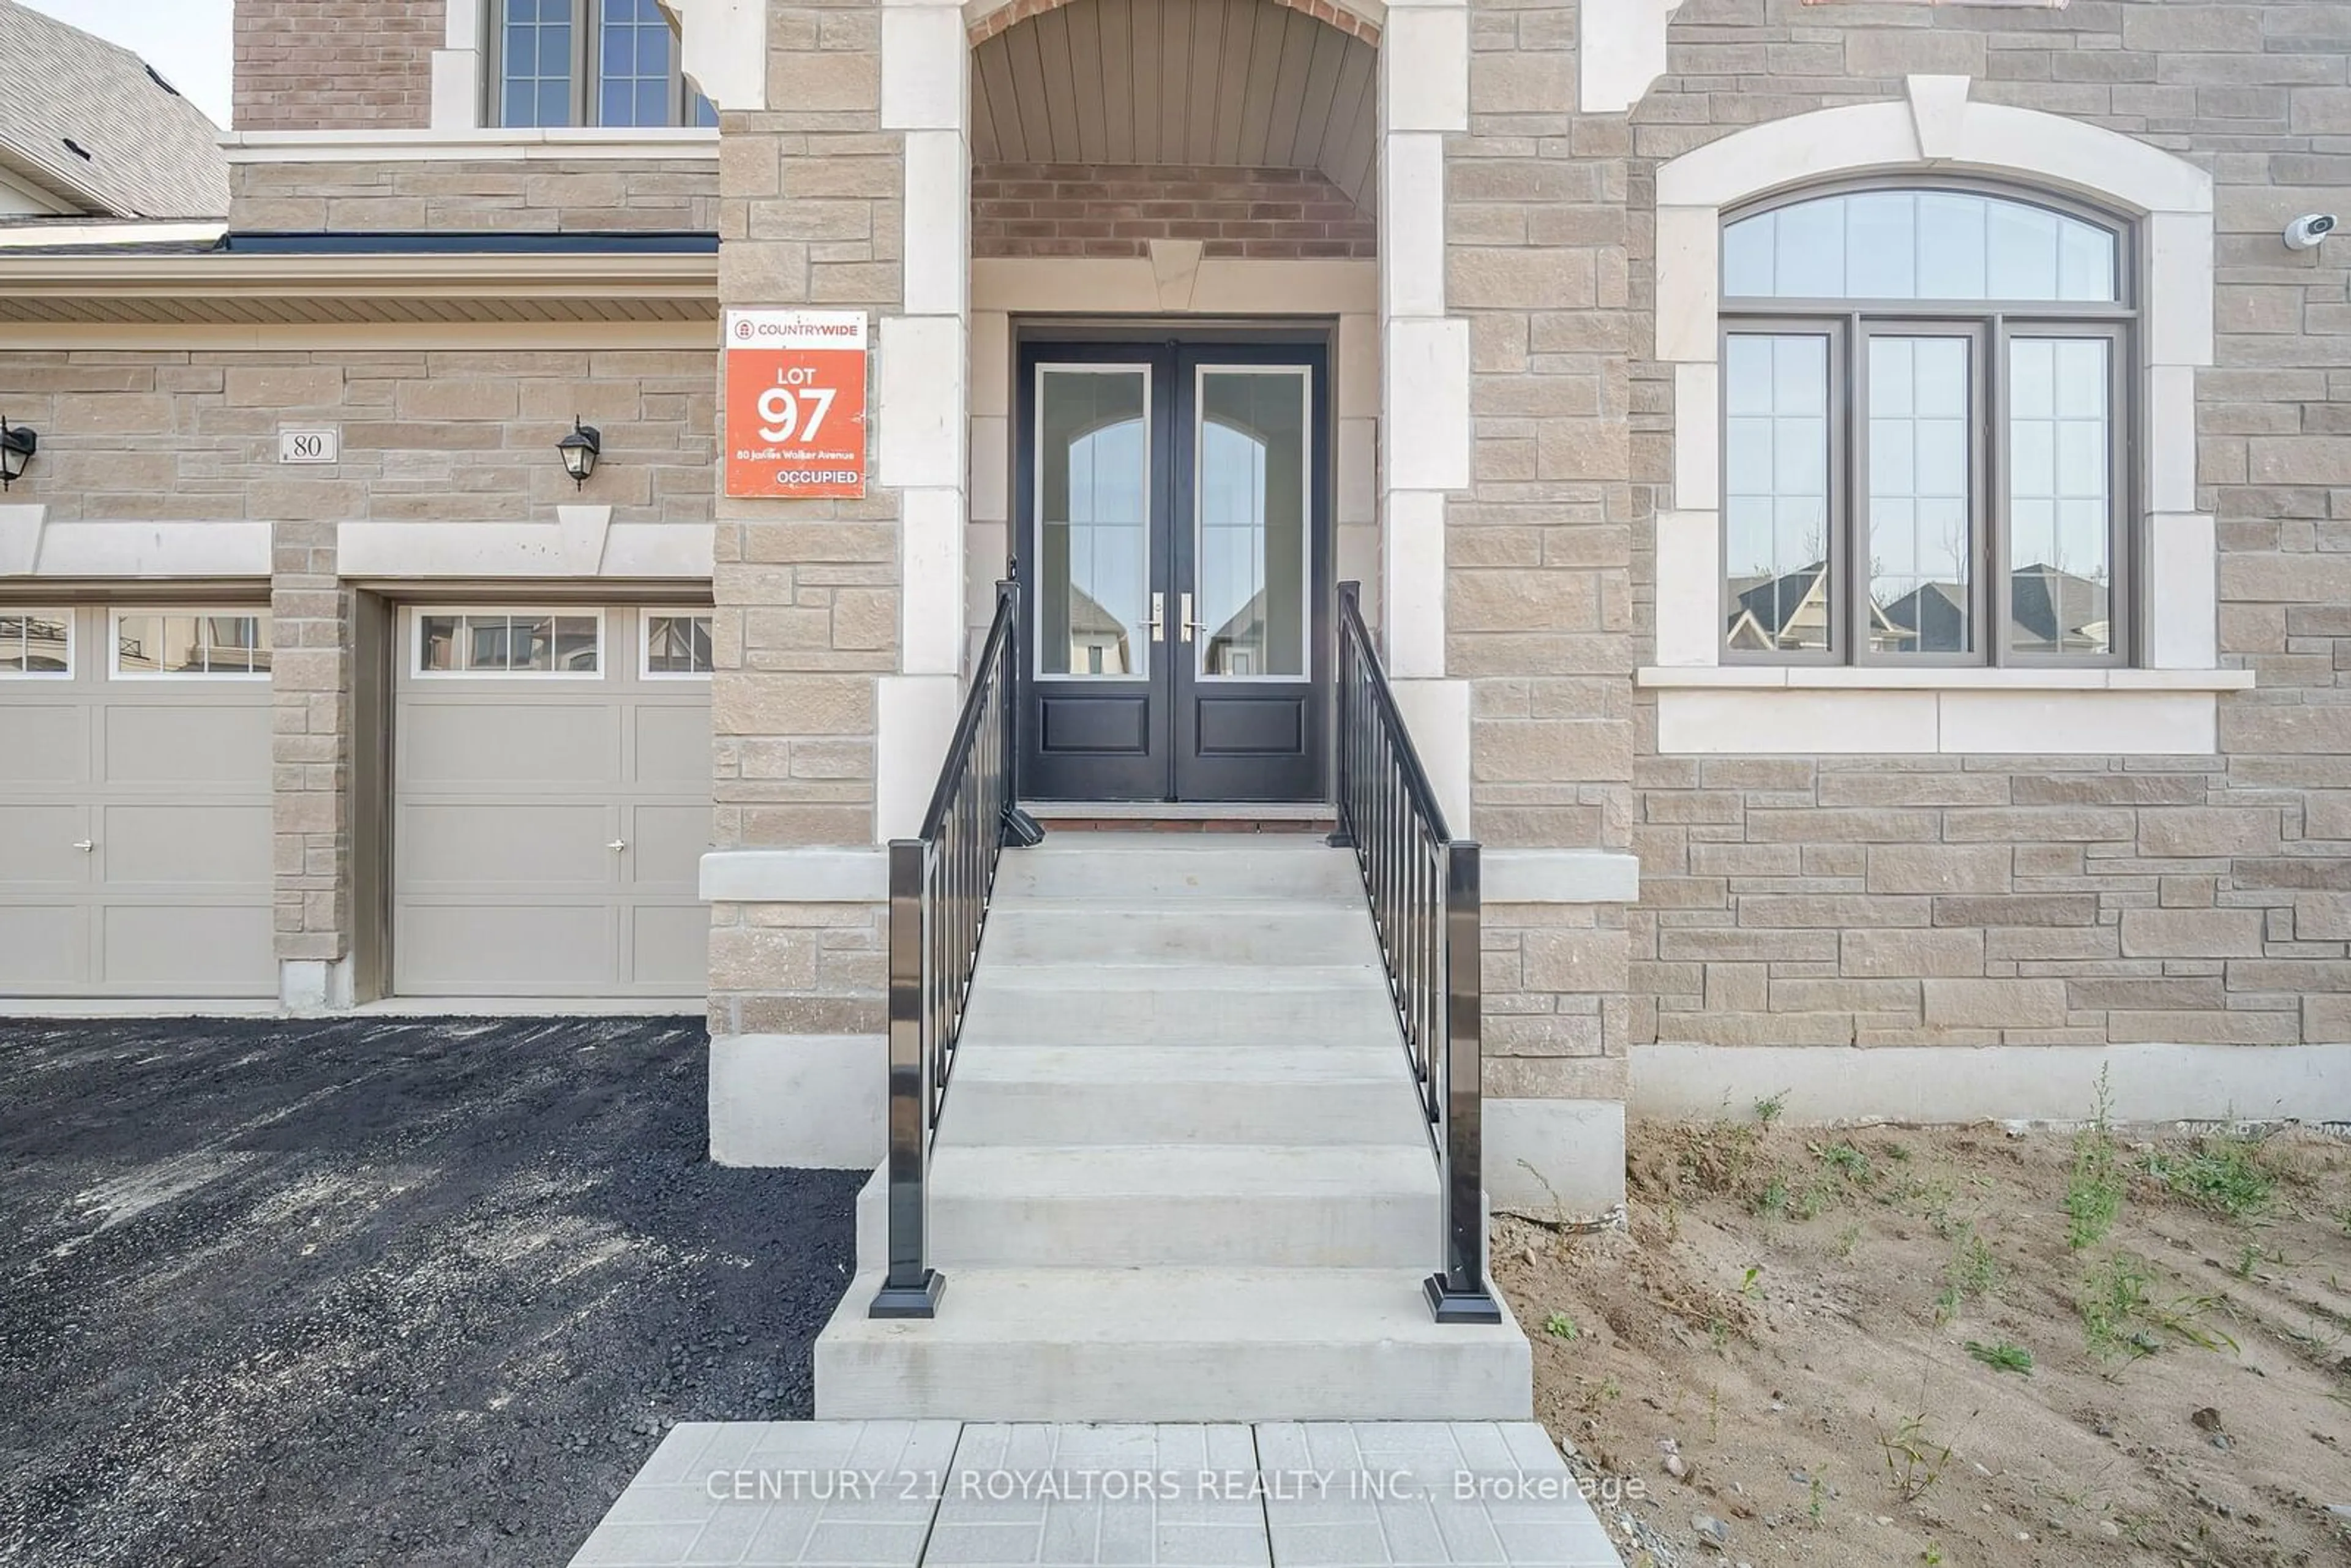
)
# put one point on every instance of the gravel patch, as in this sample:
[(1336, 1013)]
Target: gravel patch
[(413, 1291)]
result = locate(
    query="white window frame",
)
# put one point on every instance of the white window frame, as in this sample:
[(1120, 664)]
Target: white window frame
[(415, 639), (73, 640), (2165, 706), (115, 672), (645, 617)]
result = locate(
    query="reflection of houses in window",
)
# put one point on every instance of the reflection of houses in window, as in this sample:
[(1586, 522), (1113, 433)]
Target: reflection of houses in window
[(1097, 640), (34, 645), (1930, 619), (1236, 648), (2055, 612), (1773, 615)]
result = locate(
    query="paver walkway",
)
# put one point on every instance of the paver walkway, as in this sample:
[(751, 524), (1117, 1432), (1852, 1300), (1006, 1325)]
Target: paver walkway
[(895, 1494)]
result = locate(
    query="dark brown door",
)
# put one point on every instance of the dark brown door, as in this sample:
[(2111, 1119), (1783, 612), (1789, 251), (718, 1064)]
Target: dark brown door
[(1175, 560)]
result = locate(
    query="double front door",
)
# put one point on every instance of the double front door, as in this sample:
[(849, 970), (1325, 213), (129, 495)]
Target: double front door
[(1173, 556)]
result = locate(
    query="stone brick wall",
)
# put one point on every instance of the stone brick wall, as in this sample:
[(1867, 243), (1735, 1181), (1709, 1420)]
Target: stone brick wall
[(550, 195), (1891, 900), (440, 438), (1053, 209), (1539, 552), (335, 65), (807, 592)]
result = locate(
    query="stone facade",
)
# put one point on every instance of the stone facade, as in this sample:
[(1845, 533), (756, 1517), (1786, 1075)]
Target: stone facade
[(335, 65), (1538, 616), (807, 592), (457, 195), (1980, 899)]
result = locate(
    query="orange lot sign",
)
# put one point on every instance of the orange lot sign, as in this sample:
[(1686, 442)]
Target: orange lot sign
[(795, 402)]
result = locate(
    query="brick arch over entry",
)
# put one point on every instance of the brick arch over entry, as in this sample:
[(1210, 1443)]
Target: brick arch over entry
[(1361, 21)]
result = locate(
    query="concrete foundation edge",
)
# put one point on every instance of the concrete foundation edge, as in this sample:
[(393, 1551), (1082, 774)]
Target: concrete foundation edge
[(1546, 1156), (813, 1102), (2004, 1082)]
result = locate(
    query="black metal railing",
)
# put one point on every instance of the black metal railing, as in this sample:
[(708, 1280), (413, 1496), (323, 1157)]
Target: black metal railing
[(1422, 884), (940, 885)]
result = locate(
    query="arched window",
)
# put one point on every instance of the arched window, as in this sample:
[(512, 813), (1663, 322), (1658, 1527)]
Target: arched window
[(1927, 428)]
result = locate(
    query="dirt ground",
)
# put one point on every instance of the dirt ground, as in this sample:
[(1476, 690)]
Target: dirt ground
[(1777, 1356), (376, 1292)]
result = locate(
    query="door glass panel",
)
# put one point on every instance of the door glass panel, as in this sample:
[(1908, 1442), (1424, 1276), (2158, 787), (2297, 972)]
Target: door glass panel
[(1775, 492), (1920, 545), (2060, 496), (1250, 592), (1093, 521)]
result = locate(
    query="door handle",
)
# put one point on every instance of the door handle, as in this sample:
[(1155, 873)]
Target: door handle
[(617, 844), (84, 845), (1190, 625), (1158, 624)]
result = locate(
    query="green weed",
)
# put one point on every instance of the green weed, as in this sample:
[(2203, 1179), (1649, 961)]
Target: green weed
[(1913, 1460), (2002, 1357), (1767, 1111), (1971, 1272), (2093, 1192), (2120, 1318), (2226, 1173), (1559, 1325)]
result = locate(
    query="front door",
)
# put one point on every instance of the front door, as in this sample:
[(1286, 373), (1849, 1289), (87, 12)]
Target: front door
[(1175, 561)]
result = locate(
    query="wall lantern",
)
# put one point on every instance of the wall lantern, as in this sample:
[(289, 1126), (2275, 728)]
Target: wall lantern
[(18, 446), (580, 450)]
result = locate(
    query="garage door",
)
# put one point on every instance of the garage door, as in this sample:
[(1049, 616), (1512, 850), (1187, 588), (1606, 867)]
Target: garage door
[(134, 802), (551, 801)]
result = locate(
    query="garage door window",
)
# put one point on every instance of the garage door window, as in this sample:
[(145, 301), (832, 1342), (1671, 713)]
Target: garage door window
[(196, 643), (507, 643), (676, 646), (38, 644)]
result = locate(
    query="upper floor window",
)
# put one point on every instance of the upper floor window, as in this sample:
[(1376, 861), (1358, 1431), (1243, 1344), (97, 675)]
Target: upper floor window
[(589, 62), (1926, 430)]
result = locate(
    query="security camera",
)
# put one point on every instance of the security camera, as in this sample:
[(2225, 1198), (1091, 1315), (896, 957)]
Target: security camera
[(2306, 231)]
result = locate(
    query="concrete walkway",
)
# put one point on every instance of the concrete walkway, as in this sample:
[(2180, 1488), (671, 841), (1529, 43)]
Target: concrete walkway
[(894, 1494)]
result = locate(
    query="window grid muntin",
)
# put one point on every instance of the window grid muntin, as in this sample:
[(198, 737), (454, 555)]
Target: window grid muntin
[(2003, 320), (699, 650), (213, 627), (584, 71), (1860, 611), (1833, 332), (513, 616), (18, 623)]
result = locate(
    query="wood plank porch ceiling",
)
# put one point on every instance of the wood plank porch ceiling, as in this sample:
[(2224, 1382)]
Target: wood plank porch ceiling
[(1185, 83)]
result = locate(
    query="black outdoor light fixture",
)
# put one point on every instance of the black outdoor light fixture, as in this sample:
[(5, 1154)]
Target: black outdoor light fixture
[(580, 450), (17, 445)]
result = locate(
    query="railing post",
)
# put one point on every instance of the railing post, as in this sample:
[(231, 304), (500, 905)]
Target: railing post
[(1020, 830), (1461, 1293), (912, 1289), (1342, 827)]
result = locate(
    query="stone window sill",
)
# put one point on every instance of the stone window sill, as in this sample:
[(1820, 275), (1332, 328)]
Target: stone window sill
[(495, 144), (1751, 710), (1855, 678)]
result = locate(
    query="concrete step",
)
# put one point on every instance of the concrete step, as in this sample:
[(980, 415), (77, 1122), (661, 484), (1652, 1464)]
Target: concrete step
[(1190, 1205), (1006, 1094), (1215, 866), (1253, 932), (1119, 1005), (1171, 1344)]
